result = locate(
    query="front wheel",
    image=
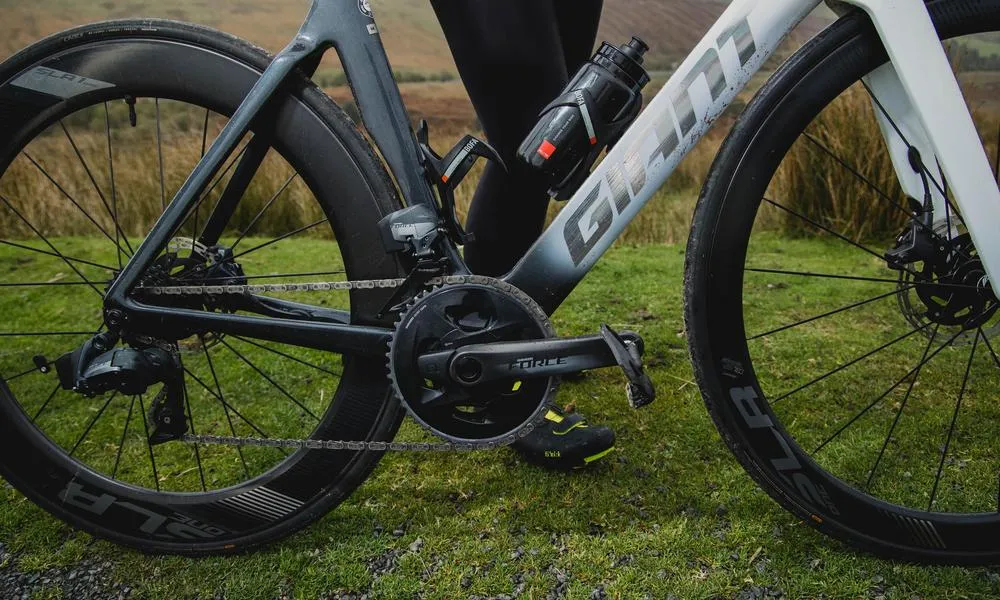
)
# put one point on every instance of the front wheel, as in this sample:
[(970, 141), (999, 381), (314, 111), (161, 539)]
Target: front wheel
[(100, 127), (861, 395)]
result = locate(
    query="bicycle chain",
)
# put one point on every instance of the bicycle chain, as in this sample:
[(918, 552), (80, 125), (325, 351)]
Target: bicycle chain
[(336, 445)]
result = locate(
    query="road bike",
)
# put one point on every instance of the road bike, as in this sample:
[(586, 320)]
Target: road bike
[(183, 373)]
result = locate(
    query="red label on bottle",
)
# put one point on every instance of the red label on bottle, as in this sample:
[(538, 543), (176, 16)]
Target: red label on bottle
[(547, 149)]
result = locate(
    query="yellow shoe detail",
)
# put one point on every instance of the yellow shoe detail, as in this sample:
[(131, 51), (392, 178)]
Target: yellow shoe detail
[(517, 386), (574, 426), (599, 455), (553, 416)]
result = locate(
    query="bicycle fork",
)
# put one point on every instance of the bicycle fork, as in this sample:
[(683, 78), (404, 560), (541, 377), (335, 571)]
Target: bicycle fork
[(927, 125)]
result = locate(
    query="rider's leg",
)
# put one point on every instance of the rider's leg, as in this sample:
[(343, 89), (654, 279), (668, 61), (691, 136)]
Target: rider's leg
[(516, 56)]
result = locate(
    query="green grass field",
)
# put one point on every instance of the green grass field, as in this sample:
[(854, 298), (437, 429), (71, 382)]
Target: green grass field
[(670, 513)]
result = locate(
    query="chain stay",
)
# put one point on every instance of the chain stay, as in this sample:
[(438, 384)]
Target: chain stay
[(336, 445)]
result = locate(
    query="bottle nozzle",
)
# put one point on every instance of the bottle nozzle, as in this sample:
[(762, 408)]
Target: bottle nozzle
[(635, 49)]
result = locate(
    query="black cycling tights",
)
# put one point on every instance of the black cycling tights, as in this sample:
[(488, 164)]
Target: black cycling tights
[(514, 56)]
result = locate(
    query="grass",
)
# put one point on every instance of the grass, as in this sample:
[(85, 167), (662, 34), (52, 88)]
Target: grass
[(671, 512)]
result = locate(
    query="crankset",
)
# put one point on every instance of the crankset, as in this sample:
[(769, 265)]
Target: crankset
[(479, 361)]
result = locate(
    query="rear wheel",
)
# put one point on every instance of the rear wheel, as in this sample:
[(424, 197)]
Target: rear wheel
[(861, 397), (101, 126)]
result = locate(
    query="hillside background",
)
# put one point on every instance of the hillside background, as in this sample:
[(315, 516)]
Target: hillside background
[(414, 40)]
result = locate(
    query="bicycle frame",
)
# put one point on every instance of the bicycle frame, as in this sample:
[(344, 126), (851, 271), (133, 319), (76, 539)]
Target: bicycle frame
[(919, 82)]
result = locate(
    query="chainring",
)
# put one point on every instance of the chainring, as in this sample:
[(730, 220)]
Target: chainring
[(481, 310)]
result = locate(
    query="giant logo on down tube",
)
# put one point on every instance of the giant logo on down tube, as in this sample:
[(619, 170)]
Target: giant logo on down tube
[(602, 205)]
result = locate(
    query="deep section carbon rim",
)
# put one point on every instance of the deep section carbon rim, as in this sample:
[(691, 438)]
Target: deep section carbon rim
[(859, 395), (83, 179)]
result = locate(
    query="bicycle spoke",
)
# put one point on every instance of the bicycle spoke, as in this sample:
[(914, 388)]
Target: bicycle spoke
[(86, 432), (229, 418), (114, 190), (954, 420), (45, 404), (159, 155), (152, 457), (236, 412), (49, 244), (194, 431), (902, 407), (884, 394), (260, 214), (218, 179), (121, 443), (849, 364), (28, 372), (832, 312), (989, 346), (288, 356), (269, 379), (57, 255), (857, 174), (826, 229), (280, 238), (937, 284), (44, 284), (93, 181), (204, 134), (73, 201), (899, 132), (197, 207), (44, 333)]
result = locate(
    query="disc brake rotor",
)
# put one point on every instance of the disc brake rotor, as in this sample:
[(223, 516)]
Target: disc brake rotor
[(949, 292)]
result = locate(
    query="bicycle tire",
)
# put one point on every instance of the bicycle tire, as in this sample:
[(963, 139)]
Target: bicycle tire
[(717, 256), (175, 60)]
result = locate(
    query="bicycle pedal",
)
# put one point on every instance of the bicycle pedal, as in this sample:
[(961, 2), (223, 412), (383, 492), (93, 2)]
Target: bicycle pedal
[(627, 349)]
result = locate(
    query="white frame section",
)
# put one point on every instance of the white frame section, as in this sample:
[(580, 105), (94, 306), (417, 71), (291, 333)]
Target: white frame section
[(918, 88)]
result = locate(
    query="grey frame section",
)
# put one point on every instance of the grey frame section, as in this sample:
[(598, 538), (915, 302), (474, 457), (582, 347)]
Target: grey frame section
[(340, 24), (675, 120)]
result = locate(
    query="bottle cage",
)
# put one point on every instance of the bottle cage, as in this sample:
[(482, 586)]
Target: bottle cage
[(603, 134)]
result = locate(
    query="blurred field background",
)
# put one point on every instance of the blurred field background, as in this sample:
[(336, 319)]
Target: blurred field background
[(432, 91), (423, 65)]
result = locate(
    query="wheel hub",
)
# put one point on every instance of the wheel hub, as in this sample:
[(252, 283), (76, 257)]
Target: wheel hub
[(192, 263), (449, 318)]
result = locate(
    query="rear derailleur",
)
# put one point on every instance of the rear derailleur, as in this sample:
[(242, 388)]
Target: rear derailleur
[(98, 367)]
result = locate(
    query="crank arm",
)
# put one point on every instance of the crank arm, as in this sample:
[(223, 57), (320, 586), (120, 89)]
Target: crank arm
[(484, 363)]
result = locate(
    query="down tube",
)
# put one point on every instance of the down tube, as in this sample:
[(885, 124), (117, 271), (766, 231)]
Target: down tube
[(678, 117)]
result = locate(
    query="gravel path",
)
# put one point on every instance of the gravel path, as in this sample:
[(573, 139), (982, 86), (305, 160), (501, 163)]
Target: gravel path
[(85, 580)]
